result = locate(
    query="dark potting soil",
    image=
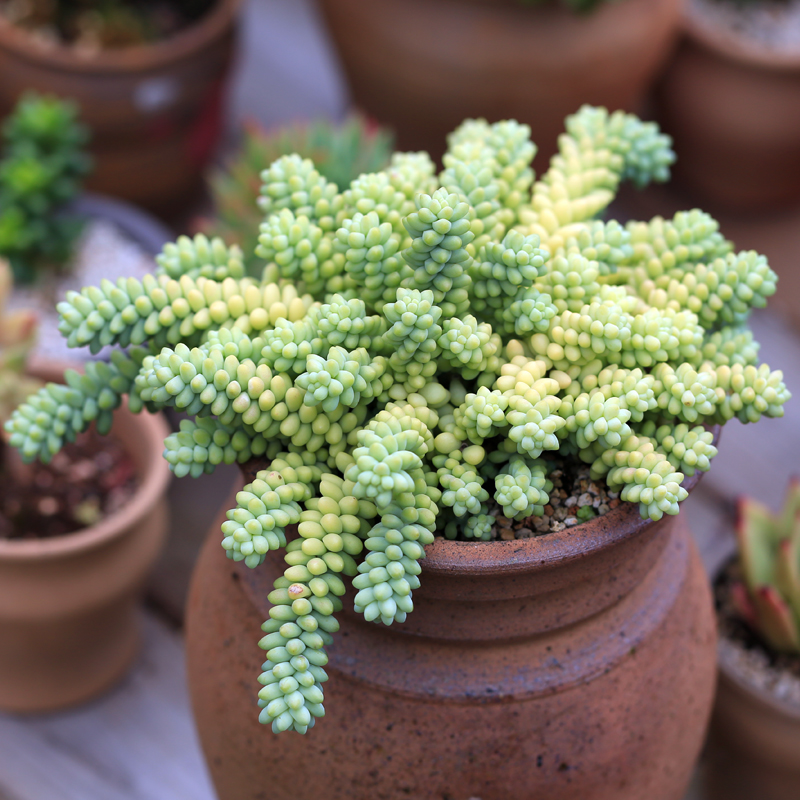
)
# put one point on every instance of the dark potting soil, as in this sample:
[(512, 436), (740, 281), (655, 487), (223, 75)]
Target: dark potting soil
[(773, 24), (777, 674), (94, 25), (574, 499), (85, 482)]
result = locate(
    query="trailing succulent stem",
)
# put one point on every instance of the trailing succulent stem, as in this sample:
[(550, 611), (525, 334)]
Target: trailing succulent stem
[(415, 349)]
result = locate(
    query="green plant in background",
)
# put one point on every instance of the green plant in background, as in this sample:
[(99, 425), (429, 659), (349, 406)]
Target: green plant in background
[(340, 152), (17, 338), (42, 163), (415, 350), (769, 557)]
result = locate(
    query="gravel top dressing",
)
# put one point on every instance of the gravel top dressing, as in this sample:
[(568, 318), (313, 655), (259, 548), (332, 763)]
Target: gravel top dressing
[(103, 251), (774, 24)]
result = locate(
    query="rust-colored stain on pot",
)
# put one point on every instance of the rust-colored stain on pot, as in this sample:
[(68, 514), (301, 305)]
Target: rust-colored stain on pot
[(576, 666)]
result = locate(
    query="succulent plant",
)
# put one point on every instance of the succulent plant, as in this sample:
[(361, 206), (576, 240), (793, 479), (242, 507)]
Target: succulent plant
[(40, 171), (17, 337), (768, 599), (414, 352), (339, 152)]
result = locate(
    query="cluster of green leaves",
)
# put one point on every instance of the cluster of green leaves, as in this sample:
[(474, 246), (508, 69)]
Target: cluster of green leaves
[(416, 346), (42, 164), (340, 152)]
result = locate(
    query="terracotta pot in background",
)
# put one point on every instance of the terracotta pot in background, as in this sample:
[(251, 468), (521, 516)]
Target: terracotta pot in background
[(753, 749), (573, 666), (155, 111), (68, 604), (422, 66), (733, 107)]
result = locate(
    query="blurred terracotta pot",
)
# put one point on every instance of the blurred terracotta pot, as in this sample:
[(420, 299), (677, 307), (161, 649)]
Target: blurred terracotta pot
[(155, 111), (422, 66), (573, 666), (733, 107), (754, 743), (68, 604)]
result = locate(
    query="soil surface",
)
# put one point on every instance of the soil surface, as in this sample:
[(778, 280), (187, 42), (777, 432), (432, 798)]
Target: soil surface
[(96, 25), (775, 673), (85, 482), (575, 498), (773, 24)]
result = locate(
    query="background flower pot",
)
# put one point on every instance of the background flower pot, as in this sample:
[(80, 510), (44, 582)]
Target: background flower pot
[(532, 668), (422, 66), (733, 106), (754, 743), (155, 112), (68, 604)]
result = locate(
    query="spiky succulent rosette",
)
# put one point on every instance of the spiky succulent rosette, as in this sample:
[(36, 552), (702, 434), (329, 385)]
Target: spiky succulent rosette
[(415, 352)]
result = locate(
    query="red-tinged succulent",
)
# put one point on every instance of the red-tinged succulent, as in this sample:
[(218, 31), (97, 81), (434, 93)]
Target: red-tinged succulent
[(769, 554)]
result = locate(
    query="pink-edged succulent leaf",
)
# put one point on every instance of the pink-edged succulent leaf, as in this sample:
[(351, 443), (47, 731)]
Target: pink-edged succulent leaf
[(740, 598), (756, 532), (791, 505), (776, 622)]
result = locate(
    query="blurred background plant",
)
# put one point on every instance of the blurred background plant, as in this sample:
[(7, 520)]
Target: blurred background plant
[(42, 164), (768, 599), (103, 24), (340, 152), (17, 337), (581, 6)]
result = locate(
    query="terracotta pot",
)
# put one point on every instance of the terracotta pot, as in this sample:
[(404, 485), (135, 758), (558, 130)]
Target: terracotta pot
[(733, 106), (155, 111), (580, 665), (422, 66), (753, 747), (68, 604)]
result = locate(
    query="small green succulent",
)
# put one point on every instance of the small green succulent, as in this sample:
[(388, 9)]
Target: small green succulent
[(42, 163), (768, 599)]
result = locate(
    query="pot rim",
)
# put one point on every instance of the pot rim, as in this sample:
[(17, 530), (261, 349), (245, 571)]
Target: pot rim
[(540, 553), (733, 46), (154, 479), (754, 693), (136, 59)]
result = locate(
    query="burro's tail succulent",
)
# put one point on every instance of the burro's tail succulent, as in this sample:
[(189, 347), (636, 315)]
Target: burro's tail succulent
[(415, 352), (768, 599)]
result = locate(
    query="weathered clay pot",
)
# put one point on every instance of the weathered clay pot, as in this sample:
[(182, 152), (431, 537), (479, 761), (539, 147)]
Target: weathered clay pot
[(580, 666), (68, 605), (422, 66), (753, 748), (733, 107), (155, 111)]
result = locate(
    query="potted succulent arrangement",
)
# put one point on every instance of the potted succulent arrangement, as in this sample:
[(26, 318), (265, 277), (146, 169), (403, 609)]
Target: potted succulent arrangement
[(469, 389), (728, 98), (340, 152), (754, 744), (149, 78), (533, 60), (78, 535)]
